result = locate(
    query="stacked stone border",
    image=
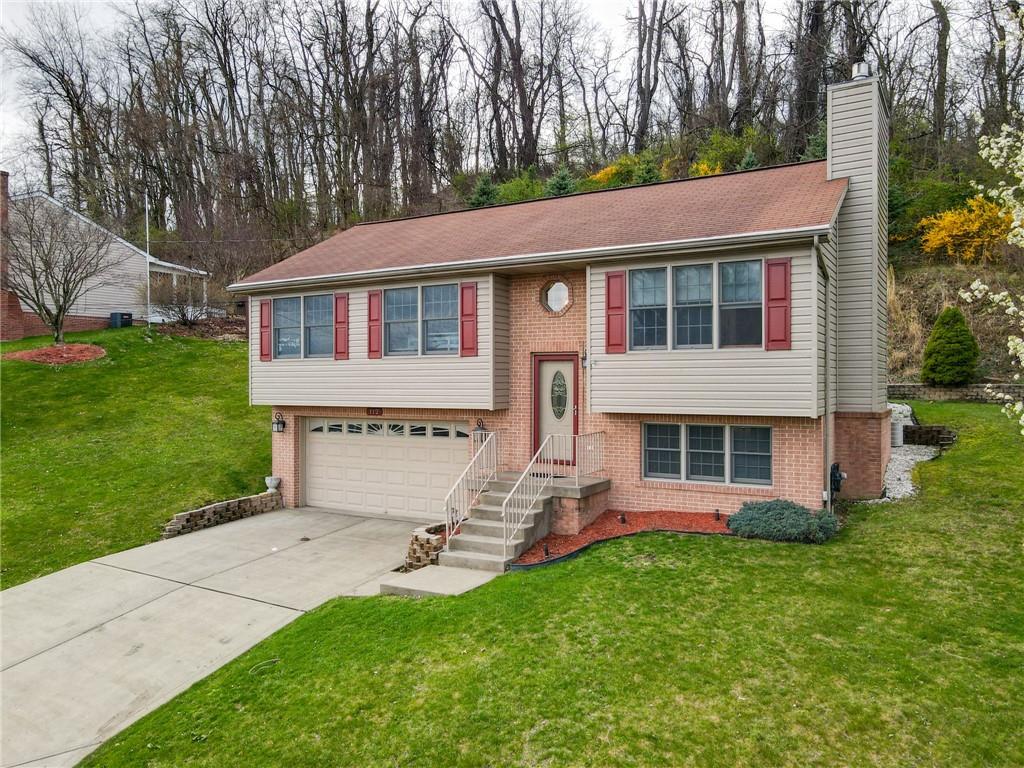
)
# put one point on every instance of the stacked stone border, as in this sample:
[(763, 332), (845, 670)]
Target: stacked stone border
[(424, 546), (221, 512), (928, 434), (975, 393)]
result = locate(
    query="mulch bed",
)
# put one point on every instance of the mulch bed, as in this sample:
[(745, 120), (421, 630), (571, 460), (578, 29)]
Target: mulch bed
[(69, 353), (219, 329), (607, 526)]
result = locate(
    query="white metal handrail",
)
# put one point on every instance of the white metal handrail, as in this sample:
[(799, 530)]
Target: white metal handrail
[(482, 468), (589, 454)]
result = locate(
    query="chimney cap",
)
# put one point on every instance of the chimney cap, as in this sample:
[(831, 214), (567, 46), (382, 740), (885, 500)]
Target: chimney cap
[(861, 70)]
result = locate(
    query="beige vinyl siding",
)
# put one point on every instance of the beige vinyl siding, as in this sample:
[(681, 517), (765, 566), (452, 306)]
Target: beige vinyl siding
[(423, 381), (731, 381), (857, 132), (502, 359), (826, 303)]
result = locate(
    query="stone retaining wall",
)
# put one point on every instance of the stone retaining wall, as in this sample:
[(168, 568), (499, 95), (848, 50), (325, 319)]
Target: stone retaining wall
[(221, 512), (928, 434), (977, 393)]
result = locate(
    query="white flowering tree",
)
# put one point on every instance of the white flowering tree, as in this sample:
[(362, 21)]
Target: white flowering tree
[(1006, 152)]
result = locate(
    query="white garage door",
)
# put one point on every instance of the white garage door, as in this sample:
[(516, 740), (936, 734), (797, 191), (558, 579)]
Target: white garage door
[(384, 467)]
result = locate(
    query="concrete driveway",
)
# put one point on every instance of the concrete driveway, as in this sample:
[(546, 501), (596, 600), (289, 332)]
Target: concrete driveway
[(92, 648)]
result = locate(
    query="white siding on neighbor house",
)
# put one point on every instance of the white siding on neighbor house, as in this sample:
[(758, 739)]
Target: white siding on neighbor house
[(729, 381), (857, 150), (120, 289), (502, 352), (422, 381)]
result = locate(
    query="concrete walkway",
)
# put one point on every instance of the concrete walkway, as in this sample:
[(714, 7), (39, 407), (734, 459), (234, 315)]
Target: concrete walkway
[(88, 650)]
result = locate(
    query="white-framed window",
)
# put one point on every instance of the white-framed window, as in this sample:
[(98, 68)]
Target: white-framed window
[(441, 319), (648, 308), (715, 304), (740, 306), (401, 321), (707, 453), (303, 326), (693, 305)]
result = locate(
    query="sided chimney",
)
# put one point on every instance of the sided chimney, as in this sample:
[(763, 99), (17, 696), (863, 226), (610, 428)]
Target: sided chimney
[(4, 201), (858, 150)]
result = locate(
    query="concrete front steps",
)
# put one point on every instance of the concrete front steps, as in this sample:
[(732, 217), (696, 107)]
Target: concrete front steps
[(479, 545)]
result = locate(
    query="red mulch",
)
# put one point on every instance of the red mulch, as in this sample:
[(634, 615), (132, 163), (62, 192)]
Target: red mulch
[(69, 353), (607, 526)]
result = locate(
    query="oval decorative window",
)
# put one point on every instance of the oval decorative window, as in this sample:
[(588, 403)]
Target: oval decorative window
[(559, 395)]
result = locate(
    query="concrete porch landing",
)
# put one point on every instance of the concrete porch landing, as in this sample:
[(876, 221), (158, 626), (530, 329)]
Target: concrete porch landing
[(435, 580)]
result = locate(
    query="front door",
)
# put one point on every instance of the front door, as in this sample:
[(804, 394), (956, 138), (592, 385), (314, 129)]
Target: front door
[(555, 402)]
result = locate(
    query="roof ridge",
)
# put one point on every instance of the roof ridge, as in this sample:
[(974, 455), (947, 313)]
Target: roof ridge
[(623, 188)]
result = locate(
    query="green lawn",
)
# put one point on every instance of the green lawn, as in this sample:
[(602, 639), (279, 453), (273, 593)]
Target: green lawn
[(899, 643), (96, 457)]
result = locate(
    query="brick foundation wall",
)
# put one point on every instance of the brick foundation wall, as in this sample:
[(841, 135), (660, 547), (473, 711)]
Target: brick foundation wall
[(16, 323), (221, 512), (797, 443), (570, 516), (975, 393), (863, 445)]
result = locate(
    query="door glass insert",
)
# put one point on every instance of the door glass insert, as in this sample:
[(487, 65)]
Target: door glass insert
[(559, 395)]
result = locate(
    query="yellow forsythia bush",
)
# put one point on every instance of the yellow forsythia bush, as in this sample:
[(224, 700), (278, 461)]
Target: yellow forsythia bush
[(972, 234), (705, 168)]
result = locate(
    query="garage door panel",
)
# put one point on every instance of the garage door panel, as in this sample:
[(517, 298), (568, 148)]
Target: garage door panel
[(395, 471)]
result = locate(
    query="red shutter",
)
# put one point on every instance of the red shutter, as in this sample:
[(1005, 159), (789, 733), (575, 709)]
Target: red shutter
[(467, 320), (373, 324), (777, 311), (615, 313), (265, 330), (341, 326)]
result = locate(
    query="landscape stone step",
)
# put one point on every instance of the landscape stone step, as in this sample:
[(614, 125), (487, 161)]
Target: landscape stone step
[(477, 561)]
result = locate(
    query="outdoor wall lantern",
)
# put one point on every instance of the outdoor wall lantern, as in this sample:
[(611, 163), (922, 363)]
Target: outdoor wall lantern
[(278, 424)]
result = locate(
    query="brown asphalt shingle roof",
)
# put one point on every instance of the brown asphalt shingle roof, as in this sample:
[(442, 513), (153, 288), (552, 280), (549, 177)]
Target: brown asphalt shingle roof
[(779, 198)]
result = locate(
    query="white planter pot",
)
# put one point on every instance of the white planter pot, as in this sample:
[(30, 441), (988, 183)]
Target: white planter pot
[(272, 482)]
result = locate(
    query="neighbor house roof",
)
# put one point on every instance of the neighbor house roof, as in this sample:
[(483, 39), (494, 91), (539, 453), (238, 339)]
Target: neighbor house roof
[(769, 202), (153, 260)]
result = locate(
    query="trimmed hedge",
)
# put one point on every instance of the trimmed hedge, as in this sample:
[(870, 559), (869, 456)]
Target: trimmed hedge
[(781, 520)]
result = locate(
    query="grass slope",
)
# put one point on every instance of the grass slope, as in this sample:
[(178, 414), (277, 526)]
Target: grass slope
[(97, 456), (901, 642)]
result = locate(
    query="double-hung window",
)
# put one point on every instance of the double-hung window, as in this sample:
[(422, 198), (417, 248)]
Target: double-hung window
[(401, 321), (707, 453), (739, 304), (318, 322), (752, 455), (692, 299), (440, 319), (288, 328), (648, 309)]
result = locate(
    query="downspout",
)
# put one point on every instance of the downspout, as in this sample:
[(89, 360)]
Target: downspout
[(826, 457)]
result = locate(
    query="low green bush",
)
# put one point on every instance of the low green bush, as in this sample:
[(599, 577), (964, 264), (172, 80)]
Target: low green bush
[(781, 520), (952, 351)]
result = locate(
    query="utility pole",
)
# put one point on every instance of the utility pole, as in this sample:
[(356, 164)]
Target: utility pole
[(149, 308)]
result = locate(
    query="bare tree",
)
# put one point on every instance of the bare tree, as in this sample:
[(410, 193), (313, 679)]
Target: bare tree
[(52, 256)]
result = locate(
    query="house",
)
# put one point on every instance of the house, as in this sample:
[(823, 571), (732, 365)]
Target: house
[(686, 345), (121, 289)]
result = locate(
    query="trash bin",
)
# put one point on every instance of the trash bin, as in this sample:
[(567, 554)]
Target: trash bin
[(120, 319)]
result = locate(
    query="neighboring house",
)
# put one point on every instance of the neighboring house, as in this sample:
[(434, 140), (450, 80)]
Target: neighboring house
[(715, 340), (121, 290)]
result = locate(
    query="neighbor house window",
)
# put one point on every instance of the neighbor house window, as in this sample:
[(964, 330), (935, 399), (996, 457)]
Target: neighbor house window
[(401, 321), (318, 325), (288, 327), (662, 450), (705, 452), (440, 319), (752, 455), (692, 308), (739, 305), (648, 308)]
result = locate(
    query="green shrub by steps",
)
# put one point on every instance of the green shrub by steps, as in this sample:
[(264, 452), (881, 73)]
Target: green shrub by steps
[(951, 354), (781, 520)]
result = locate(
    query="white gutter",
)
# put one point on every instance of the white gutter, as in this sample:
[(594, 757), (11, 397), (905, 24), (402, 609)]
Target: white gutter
[(775, 236)]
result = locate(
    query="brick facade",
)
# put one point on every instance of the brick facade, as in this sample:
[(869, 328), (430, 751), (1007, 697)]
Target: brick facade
[(798, 459), (16, 323), (863, 445)]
